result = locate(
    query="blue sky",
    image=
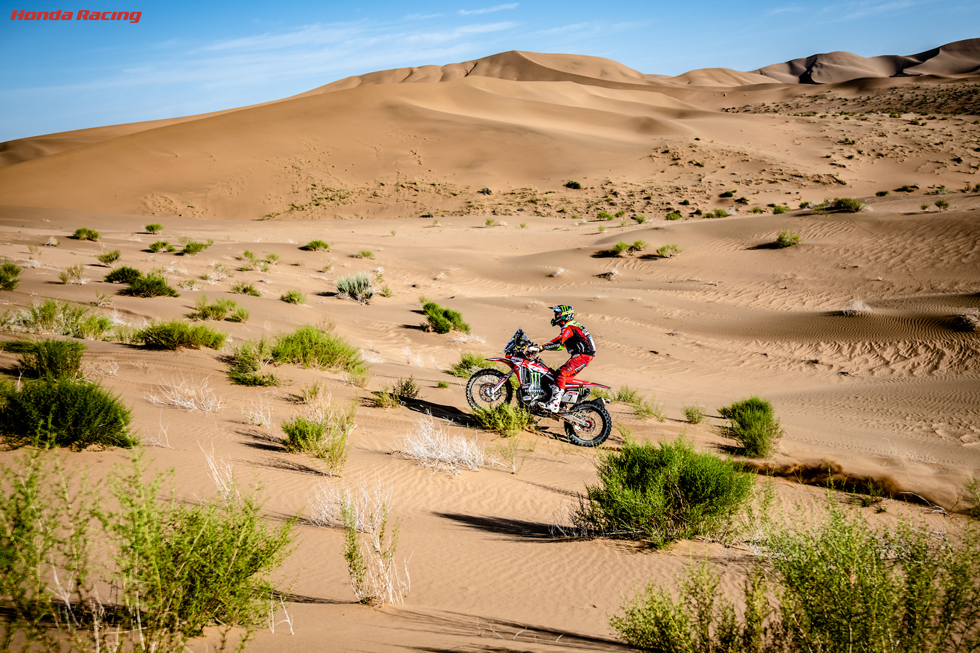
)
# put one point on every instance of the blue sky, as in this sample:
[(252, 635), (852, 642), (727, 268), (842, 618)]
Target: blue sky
[(186, 58)]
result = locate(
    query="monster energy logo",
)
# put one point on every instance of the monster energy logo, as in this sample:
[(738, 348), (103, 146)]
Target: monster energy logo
[(535, 384)]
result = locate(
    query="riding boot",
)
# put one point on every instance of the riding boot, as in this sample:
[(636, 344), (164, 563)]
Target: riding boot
[(555, 401)]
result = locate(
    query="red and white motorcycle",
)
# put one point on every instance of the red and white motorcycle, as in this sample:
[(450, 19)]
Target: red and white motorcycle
[(587, 422)]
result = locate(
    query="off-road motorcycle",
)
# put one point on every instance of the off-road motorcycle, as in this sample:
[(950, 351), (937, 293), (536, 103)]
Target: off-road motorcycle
[(587, 422)]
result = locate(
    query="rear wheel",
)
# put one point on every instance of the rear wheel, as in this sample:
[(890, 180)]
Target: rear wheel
[(479, 390), (595, 431)]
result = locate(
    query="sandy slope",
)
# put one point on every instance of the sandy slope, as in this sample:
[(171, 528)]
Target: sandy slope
[(890, 389)]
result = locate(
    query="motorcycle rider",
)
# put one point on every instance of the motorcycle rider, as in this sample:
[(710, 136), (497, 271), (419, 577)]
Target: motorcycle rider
[(577, 341)]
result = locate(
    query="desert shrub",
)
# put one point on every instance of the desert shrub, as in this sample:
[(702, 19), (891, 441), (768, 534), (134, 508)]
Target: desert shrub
[(63, 412), (574, 185), (153, 284), (243, 288), (323, 435), (841, 205), (973, 492), (154, 228), (485, 191), (654, 408), (177, 334), (406, 388), (753, 424), (125, 274), (192, 247), (665, 492), (52, 359), (673, 215), (62, 318), (780, 209), (72, 275), (717, 213), (881, 193), (442, 384), (694, 414), (83, 233), (356, 286), (162, 246), (622, 248), (620, 214), (942, 205), (175, 567), (293, 297), (640, 219), (469, 362), (505, 419), (443, 320), (787, 239), (239, 315), (316, 246), (364, 253), (627, 395), (248, 359), (217, 311), (108, 258), (312, 347), (489, 223), (603, 215), (9, 275), (727, 193), (386, 398), (668, 251)]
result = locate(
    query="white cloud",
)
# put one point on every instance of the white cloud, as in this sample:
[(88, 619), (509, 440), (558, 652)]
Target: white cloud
[(487, 10), (865, 9), (459, 32)]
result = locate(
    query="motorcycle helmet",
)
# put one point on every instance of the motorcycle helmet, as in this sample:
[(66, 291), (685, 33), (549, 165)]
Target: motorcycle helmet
[(563, 315)]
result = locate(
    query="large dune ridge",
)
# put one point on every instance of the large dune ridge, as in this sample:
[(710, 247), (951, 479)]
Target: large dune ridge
[(863, 336)]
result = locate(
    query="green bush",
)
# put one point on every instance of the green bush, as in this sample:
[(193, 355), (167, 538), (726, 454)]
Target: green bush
[(838, 585), (942, 205), (469, 362), (323, 436), (752, 423), (247, 361), (443, 320), (9, 275), (63, 412), (191, 248), (153, 284), (172, 567), (505, 419), (177, 334), (622, 248), (125, 274), (162, 246), (85, 234), (780, 208), (293, 297), (717, 213), (787, 239), (63, 318), (316, 246), (108, 258), (243, 288), (154, 228), (673, 215), (603, 215), (356, 286), (694, 414), (663, 493), (52, 359), (841, 205), (881, 193), (219, 310), (312, 347), (728, 193), (574, 185), (668, 251), (654, 408)]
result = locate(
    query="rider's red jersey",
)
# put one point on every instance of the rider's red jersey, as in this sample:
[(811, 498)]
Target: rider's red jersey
[(574, 338)]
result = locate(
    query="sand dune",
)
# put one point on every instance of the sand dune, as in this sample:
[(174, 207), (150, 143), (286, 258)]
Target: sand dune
[(454, 177)]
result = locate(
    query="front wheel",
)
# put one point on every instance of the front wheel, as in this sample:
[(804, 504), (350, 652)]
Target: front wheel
[(479, 390), (598, 425)]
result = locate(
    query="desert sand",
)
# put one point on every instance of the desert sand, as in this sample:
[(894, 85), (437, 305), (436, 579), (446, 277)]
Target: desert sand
[(454, 177)]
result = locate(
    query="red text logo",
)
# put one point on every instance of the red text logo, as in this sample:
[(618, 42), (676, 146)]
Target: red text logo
[(131, 16)]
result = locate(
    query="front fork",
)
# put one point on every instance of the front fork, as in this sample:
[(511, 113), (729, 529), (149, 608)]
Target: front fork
[(496, 388)]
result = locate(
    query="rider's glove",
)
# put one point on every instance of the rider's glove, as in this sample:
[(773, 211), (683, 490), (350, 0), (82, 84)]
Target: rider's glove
[(533, 349)]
